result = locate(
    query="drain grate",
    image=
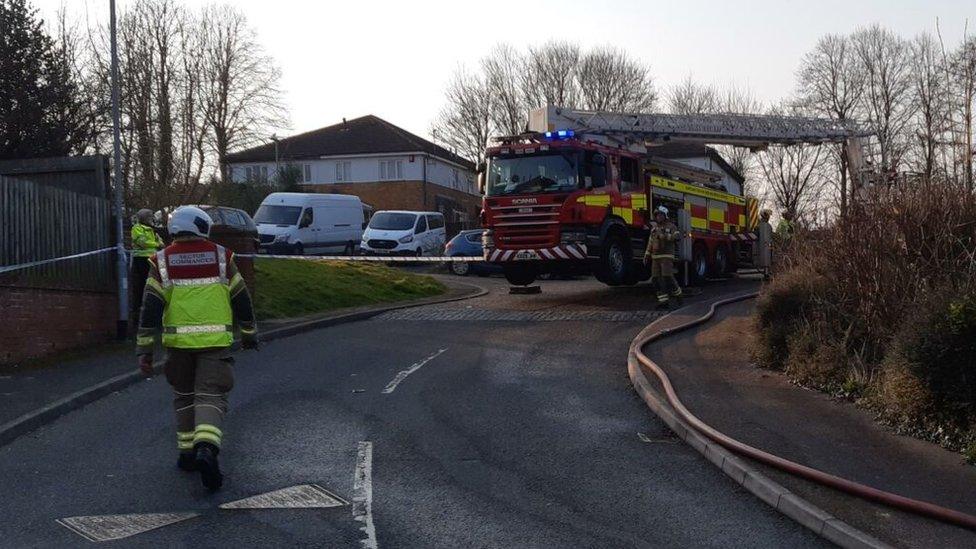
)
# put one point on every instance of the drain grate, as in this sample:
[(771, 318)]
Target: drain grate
[(305, 496)]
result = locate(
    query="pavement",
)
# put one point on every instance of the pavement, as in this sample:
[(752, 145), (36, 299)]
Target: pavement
[(711, 371), (491, 422)]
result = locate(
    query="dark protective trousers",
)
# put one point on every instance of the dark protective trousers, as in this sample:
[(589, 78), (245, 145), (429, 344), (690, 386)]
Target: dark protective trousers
[(137, 281), (201, 381)]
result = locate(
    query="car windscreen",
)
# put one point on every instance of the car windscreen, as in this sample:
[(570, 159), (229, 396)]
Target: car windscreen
[(535, 173), (277, 215), (389, 221)]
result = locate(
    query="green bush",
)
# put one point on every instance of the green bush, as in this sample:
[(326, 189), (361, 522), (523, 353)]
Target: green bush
[(938, 347)]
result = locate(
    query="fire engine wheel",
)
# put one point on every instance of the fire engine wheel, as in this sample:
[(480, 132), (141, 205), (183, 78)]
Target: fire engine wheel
[(519, 274), (614, 262), (699, 262), (721, 264)]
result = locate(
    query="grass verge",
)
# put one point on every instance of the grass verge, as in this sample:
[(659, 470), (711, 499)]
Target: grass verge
[(293, 288)]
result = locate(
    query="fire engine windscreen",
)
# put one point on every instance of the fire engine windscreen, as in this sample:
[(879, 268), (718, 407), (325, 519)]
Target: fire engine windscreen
[(556, 171)]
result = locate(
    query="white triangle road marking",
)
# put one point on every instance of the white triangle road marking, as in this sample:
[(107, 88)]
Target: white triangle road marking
[(100, 528), (304, 496)]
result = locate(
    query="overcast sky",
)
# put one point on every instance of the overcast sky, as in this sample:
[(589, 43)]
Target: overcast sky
[(392, 59)]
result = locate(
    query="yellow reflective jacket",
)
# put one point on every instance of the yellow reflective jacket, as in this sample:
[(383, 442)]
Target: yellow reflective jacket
[(145, 242)]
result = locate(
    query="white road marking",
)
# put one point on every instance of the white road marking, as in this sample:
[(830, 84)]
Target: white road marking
[(114, 527), (362, 499), (404, 373), (305, 496)]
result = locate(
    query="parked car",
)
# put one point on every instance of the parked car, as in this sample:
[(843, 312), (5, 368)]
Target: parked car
[(236, 230), (468, 244), (397, 232), (310, 223)]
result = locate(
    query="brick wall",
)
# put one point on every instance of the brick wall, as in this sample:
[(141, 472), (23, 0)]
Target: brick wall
[(400, 195), (40, 322)]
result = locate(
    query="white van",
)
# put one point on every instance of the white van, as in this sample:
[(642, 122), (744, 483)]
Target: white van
[(310, 223), (397, 232)]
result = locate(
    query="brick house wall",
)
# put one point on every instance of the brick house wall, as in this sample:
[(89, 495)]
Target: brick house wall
[(402, 195), (46, 321)]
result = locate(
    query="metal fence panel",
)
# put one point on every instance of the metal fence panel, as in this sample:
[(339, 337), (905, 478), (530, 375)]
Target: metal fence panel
[(39, 222)]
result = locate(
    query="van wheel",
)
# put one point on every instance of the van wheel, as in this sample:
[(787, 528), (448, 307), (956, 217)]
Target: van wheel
[(419, 252), (298, 250), (350, 249)]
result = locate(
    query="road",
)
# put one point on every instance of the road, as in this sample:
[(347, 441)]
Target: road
[(504, 421)]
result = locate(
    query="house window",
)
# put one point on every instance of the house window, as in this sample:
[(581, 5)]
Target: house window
[(455, 184), (391, 169), (342, 171), (248, 173), (264, 173), (308, 173)]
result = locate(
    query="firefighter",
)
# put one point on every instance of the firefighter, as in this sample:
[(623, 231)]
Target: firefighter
[(145, 243), (660, 254), (785, 228), (195, 295)]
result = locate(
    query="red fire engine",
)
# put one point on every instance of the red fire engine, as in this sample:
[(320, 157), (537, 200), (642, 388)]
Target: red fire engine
[(573, 194)]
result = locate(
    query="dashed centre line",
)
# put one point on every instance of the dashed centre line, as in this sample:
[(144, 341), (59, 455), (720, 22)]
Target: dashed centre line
[(362, 499), (391, 386)]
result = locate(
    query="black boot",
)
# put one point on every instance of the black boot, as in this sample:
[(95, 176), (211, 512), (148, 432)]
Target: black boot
[(208, 466), (187, 461)]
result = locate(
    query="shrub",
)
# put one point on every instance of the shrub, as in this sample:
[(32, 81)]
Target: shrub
[(883, 304), (779, 310)]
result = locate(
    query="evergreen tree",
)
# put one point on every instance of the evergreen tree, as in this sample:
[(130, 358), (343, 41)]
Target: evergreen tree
[(38, 97)]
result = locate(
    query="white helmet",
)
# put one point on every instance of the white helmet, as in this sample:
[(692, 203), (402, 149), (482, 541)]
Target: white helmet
[(189, 220), (661, 210)]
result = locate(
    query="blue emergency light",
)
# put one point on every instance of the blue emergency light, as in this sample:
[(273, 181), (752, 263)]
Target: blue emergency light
[(561, 134)]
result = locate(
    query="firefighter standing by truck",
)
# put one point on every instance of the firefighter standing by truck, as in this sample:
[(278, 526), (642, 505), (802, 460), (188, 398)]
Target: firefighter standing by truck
[(195, 296), (145, 243), (661, 244)]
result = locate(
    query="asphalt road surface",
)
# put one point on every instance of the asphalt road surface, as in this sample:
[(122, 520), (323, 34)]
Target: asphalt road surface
[(504, 421)]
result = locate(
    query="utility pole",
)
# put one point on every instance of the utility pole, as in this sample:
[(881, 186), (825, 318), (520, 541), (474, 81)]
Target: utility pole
[(123, 275), (274, 137)]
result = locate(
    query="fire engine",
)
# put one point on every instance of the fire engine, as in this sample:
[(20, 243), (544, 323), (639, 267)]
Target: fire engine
[(573, 194)]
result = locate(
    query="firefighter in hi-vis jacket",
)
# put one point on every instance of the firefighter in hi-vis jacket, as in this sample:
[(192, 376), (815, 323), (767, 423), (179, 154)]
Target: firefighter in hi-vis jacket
[(195, 295), (660, 255)]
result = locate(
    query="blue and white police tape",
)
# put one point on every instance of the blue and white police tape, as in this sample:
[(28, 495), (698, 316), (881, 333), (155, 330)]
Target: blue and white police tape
[(9, 268)]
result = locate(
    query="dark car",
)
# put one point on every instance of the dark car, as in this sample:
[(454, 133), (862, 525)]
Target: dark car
[(468, 244), (236, 230)]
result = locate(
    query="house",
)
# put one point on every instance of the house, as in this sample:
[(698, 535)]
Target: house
[(703, 158), (384, 165)]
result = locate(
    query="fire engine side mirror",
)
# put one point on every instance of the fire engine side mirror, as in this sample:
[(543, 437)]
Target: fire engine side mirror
[(599, 171), (481, 182)]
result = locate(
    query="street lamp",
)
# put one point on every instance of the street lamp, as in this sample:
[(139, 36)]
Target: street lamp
[(274, 137), (122, 271)]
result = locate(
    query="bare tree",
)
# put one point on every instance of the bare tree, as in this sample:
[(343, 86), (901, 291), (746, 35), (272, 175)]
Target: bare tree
[(240, 94), (610, 80), (465, 123), (963, 70), (691, 97), (504, 70), (888, 105), (831, 83), (796, 175), (550, 76), (928, 86)]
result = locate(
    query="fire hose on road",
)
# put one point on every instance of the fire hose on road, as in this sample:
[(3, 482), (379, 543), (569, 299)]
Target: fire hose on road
[(863, 491)]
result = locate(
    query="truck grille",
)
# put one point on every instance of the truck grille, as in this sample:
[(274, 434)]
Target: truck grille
[(526, 226), (382, 244)]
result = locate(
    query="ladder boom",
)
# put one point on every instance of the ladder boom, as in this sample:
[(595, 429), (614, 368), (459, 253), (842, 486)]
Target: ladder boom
[(744, 130)]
